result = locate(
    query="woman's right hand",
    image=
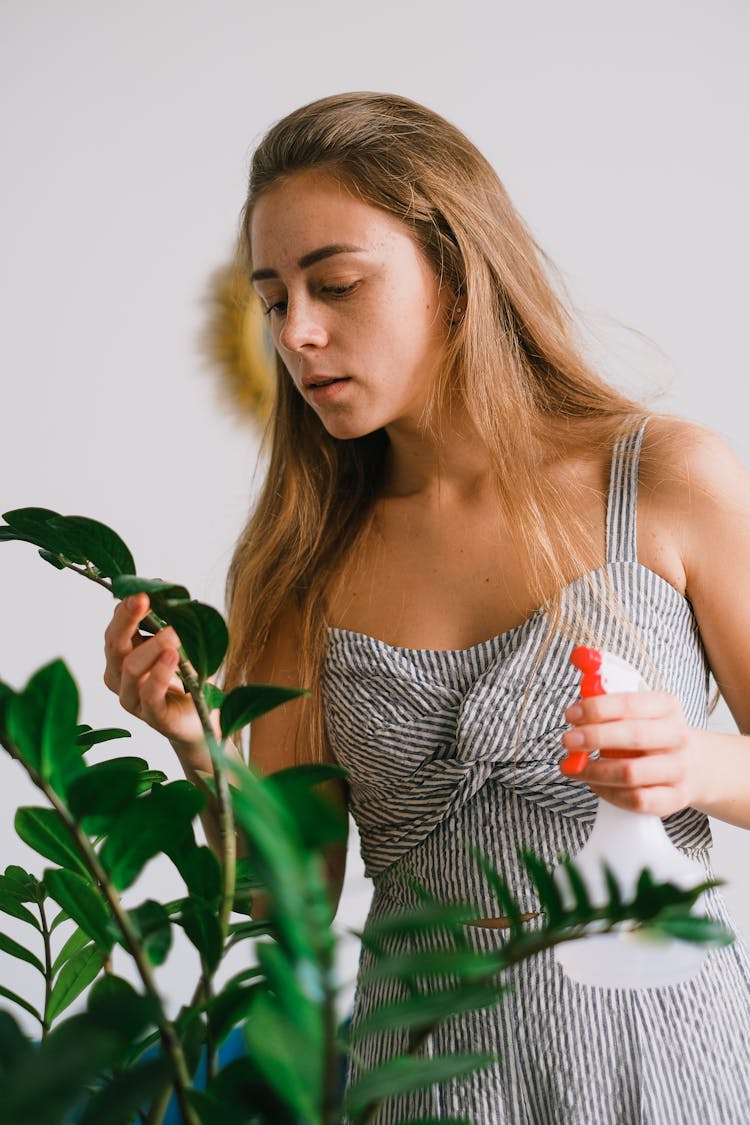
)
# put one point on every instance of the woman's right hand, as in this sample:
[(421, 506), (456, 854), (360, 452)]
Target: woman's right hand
[(142, 672)]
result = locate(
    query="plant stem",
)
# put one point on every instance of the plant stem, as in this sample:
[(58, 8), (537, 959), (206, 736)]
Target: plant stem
[(330, 1110), (227, 830), (47, 964), (170, 1039), (158, 1107)]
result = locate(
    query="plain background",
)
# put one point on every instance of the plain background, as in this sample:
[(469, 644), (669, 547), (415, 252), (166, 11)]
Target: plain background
[(619, 130)]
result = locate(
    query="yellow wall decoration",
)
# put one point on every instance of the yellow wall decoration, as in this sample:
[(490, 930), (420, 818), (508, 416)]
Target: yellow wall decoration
[(237, 343)]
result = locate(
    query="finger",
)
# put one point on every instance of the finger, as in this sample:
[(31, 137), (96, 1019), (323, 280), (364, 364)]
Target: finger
[(632, 735), (634, 772), (656, 800), (122, 632), (622, 705), (121, 637), (139, 662), (143, 656), (159, 682)]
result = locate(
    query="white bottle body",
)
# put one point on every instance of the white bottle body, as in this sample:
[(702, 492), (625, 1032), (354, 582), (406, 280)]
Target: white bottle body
[(627, 842)]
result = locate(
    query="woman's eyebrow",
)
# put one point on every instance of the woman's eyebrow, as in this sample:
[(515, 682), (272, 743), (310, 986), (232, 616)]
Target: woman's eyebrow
[(309, 259)]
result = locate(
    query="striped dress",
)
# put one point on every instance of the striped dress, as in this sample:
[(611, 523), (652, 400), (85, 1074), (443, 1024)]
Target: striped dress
[(445, 747)]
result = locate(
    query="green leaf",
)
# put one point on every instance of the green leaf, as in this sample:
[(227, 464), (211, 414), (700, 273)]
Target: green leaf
[(202, 874), (614, 905), (41, 722), (153, 926), (404, 1074), (8, 995), (191, 1027), (509, 908), (426, 1008), (235, 1088), (247, 874), (245, 704), (298, 988), (462, 963), (45, 1084), (321, 820), (53, 560), (253, 973), (242, 930), (202, 632), (86, 737), (124, 1095), (13, 1043), (201, 925), (549, 892), (281, 864), (422, 919), (83, 903), (148, 779), (6, 694), (19, 882), (582, 909), (76, 941), (104, 791), (8, 945), (75, 975), (59, 918), (11, 904), (698, 929), (114, 1004), (213, 696), (158, 822), (34, 525), (437, 1121), (283, 1057), (229, 1008), (97, 543), (43, 831), (125, 585)]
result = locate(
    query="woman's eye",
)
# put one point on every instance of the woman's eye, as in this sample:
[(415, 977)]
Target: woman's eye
[(278, 307), (338, 290)]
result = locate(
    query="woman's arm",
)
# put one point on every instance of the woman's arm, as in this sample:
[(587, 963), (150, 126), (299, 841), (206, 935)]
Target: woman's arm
[(697, 498)]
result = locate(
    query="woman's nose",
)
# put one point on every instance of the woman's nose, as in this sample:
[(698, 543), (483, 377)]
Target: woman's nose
[(301, 328)]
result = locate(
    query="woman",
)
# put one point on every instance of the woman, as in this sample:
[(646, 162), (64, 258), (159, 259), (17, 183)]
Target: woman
[(445, 468)]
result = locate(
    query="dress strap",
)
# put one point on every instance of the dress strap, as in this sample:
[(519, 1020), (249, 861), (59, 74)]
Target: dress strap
[(622, 502)]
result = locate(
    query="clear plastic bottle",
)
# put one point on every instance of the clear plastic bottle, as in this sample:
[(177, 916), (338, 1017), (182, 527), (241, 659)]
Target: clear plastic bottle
[(626, 842)]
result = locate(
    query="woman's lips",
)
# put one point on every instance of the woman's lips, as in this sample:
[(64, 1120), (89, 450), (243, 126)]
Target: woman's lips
[(324, 392)]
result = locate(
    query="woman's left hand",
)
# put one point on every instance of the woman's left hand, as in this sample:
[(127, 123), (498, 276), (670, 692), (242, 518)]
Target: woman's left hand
[(648, 761)]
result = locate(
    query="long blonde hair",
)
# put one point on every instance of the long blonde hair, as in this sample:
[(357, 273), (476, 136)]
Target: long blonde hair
[(513, 363)]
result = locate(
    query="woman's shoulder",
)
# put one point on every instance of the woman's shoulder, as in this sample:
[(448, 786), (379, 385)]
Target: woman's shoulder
[(692, 486), (686, 464)]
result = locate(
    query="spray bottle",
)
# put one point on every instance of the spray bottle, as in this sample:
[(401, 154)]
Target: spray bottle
[(627, 842)]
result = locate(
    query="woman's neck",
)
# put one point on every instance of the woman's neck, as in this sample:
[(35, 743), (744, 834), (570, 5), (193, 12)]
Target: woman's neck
[(450, 461)]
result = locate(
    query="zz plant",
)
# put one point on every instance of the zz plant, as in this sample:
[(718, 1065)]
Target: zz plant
[(122, 1057)]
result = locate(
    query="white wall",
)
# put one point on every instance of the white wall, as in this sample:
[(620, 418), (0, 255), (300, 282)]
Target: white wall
[(620, 131)]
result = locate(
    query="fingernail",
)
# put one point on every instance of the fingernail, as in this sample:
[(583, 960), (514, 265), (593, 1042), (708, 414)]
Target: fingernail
[(574, 713), (573, 738), (574, 763)]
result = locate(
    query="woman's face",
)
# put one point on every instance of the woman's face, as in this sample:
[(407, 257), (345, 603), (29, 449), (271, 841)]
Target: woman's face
[(355, 309)]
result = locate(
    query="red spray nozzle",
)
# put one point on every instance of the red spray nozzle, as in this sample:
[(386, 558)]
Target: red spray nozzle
[(586, 659), (589, 662)]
